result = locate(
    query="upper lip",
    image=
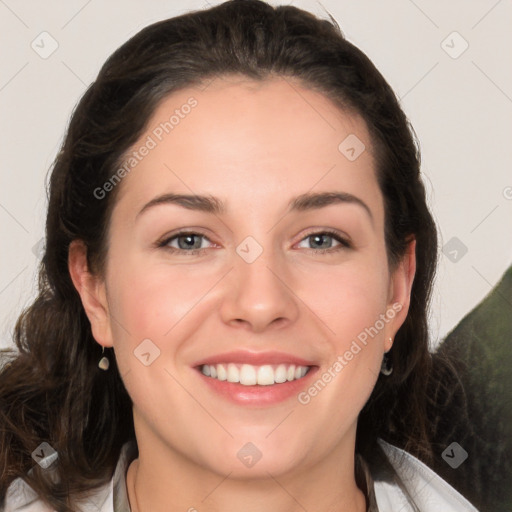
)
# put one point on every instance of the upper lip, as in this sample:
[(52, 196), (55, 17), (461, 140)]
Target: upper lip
[(254, 358)]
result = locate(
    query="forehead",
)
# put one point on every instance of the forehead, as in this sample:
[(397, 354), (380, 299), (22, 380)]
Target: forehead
[(234, 136)]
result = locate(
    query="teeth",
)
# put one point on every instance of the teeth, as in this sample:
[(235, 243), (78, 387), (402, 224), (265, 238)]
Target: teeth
[(249, 375), (280, 374), (233, 373), (265, 375), (222, 374)]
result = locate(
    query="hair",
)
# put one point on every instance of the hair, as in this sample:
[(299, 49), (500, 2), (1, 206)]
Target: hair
[(51, 389)]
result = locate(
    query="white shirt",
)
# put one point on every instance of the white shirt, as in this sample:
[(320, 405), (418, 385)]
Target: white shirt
[(430, 492)]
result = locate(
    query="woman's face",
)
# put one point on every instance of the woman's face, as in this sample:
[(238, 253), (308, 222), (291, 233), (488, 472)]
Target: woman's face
[(258, 287)]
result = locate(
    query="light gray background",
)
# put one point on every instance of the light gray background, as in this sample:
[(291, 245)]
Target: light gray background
[(460, 108)]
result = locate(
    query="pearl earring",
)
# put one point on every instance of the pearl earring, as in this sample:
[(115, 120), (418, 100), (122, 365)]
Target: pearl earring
[(104, 362)]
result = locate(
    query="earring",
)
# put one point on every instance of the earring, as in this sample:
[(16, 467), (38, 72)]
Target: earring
[(104, 362), (386, 368)]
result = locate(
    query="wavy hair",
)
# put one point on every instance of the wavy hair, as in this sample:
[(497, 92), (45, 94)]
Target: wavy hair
[(51, 388)]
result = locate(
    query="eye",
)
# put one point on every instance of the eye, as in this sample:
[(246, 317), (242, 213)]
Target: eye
[(190, 242), (186, 241), (320, 239)]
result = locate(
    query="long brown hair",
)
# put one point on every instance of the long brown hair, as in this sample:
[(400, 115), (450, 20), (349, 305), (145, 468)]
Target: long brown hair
[(51, 390)]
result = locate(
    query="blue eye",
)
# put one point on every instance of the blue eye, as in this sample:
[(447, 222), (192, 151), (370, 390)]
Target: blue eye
[(320, 237), (190, 242), (185, 242)]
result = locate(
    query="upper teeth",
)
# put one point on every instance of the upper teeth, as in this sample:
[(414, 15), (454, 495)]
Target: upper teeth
[(249, 375)]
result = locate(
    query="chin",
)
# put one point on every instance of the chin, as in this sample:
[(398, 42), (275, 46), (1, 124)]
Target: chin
[(256, 459)]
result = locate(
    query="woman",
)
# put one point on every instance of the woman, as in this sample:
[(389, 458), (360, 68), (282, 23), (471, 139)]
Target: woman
[(253, 369)]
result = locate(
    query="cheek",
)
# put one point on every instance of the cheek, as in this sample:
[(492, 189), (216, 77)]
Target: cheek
[(152, 303), (149, 301), (348, 297), (351, 303)]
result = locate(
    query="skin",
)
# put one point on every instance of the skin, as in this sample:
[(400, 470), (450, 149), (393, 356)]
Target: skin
[(255, 146)]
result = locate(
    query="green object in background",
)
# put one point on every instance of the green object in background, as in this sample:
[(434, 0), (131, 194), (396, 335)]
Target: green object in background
[(475, 409)]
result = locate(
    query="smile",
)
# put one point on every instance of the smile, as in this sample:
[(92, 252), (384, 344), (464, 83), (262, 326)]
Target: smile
[(250, 375)]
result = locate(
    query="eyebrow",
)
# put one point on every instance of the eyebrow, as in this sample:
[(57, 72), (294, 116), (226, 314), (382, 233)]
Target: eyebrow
[(301, 203)]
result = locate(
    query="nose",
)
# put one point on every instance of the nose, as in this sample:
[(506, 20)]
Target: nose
[(259, 295)]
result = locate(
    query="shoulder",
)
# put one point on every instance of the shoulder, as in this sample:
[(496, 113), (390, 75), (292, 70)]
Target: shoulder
[(428, 490), (20, 497)]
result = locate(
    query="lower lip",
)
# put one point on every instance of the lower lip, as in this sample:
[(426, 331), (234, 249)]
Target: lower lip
[(258, 395)]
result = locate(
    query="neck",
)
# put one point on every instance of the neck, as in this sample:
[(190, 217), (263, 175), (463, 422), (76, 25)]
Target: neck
[(326, 486)]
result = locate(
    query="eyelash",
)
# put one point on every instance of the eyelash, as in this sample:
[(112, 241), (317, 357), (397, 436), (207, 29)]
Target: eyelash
[(344, 243)]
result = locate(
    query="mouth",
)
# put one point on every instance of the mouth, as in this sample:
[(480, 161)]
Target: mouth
[(260, 379), (251, 375)]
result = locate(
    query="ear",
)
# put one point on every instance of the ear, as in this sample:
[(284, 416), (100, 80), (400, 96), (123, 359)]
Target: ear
[(92, 292), (399, 297)]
